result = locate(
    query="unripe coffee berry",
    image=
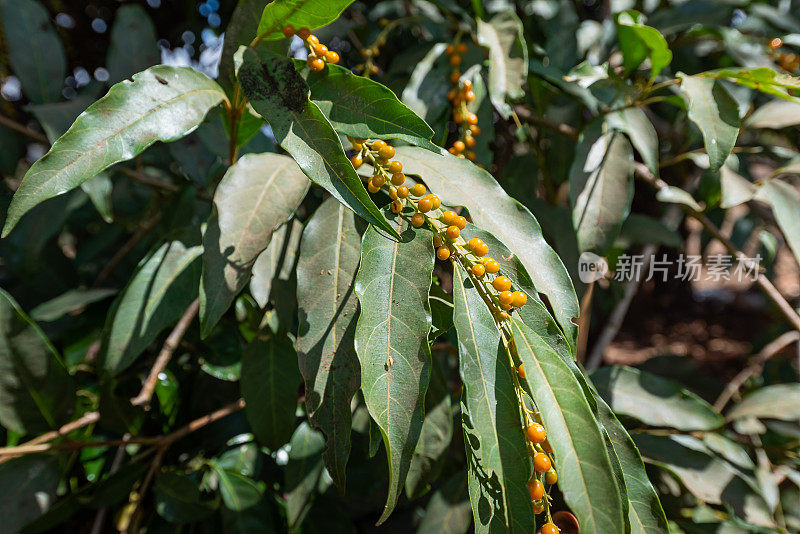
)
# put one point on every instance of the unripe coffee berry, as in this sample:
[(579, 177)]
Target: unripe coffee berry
[(520, 299), (395, 166), (418, 190), (535, 489), (501, 283), (417, 220), (541, 462), (398, 178), (535, 432), (478, 270), (387, 152), (425, 205), (551, 477), (442, 253)]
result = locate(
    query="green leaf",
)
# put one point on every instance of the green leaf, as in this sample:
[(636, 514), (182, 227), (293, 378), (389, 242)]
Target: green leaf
[(34, 480), (304, 472), (34, 50), (640, 131), (675, 195), (326, 269), (160, 104), (496, 449), (735, 188), (508, 58), (363, 108), (716, 113), (762, 79), (269, 383), (278, 93), (71, 301), (781, 401), (299, 13), (644, 508), (257, 194), (600, 187), (426, 91), (178, 500), (99, 188), (784, 200), (276, 265), (238, 492), (259, 518), (653, 400), (640, 229), (391, 341), (460, 183), (36, 391), (639, 42), (134, 44), (158, 293), (585, 469), (775, 115), (448, 511)]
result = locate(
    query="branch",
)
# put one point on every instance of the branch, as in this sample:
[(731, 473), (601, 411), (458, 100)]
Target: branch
[(144, 229), (170, 345), (525, 115), (21, 128)]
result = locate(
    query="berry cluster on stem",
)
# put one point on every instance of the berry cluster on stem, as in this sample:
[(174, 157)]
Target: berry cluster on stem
[(318, 53), (461, 96)]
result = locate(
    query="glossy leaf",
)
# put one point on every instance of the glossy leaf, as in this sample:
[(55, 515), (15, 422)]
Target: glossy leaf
[(36, 391), (716, 113), (329, 255), (160, 104), (134, 44), (278, 93), (784, 199), (257, 194), (508, 58), (363, 108), (304, 472), (763, 79), (71, 301), (640, 131), (391, 341), (299, 13), (653, 400), (460, 183), (600, 188), (497, 453), (34, 480), (269, 383), (448, 511), (640, 42), (780, 401), (34, 50), (585, 469), (158, 293), (238, 492), (276, 265)]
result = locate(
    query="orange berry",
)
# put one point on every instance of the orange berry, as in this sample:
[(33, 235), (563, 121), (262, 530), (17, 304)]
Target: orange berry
[(454, 77), (313, 39), (425, 205), (332, 57), (472, 119), (551, 477), (450, 50), (546, 447), (397, 206), (458, 118), (776, 43), (481, 251), (461, 222), (470, 141), (452, 232), (478, 270), (357, 161), (491, 265), (538, 507), (535, 489), (521, 370), (387, 152), (418, 190), (394, 166), (535, 432), (378, 180), (320, 50), (461, 48), (505, 307), (316, 64), (402, 191), (372, 188), (474, 129), (398, 178), (442, 253), (451, 95), (417, 220), (541, 462), (288, 30), (471, 155), (501, 283), (459, 146), (474, 243), (505, 297), (455, 60), (303, 33), (469, 96), (467, 85), (436, 202), (452, 150), (520, 299), (378, 145), (437, 241), (448, 217), (549, 528)]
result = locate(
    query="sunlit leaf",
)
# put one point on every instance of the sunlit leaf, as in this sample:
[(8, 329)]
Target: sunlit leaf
[(780, 401), (299, 13), (640, 42), (508, 58), (72, 300), (784, 199)]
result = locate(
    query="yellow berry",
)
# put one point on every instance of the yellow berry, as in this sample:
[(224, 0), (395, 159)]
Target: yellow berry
[(448, 217), (402, 191), (372, 188), (482, 250), (505, 297), (395, 166), (474, 243), (534, 432), (491, 265), (501, 283), (551, 477), (320, 50), (520, 299), (425, 205), (332, 57), (541, 462), (478, 270), (398, 178), (459, 146), (461, 222), (442, 253), (536, 489), (393, 193), (417, 220), (452, 232), (378, 145), (316, 64), (357, 161), (550, 528), (386, 152), (418, 190)]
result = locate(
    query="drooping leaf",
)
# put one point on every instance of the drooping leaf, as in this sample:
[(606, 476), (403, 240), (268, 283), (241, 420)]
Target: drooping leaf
[(735, 188), (34, 50), (363, 108), (392, 341), (639, 42), (497, 453), (257, 194), (600, 187), (269, 383), (653, 400), (72, 300), (160, 104), (784, 200), (280, 95), (134, 44), (640, 131), (460, 183), (36, 391), (158, 293), (329, 255), (762, 79), (34, 480), (781, 401), (675, 195), (178, 499), (508, 58), (275, 266), (775, 115), (716, 113), (299, 13), (448, 511), (585, 469), (238, 491), (645, 512), (304, 472), (98, 188)]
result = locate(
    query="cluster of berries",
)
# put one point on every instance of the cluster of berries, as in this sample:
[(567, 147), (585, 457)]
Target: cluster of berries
[(371, 52), (544, 473), (461, 96), (318, 53), (786, 60)]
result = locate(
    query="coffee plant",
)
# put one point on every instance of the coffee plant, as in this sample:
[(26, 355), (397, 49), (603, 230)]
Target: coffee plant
[(344, 274)]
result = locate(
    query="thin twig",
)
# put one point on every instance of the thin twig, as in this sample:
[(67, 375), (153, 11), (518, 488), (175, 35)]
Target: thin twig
[(100, 517), (142, 178), (164, 356), (83, 421), (21, 128), (525, 115), (144, 229)]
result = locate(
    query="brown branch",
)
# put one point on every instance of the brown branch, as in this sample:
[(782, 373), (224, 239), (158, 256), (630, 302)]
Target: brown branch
[(525, 115), (21, 128), (164, 356), (83, 421), (142, 178)]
